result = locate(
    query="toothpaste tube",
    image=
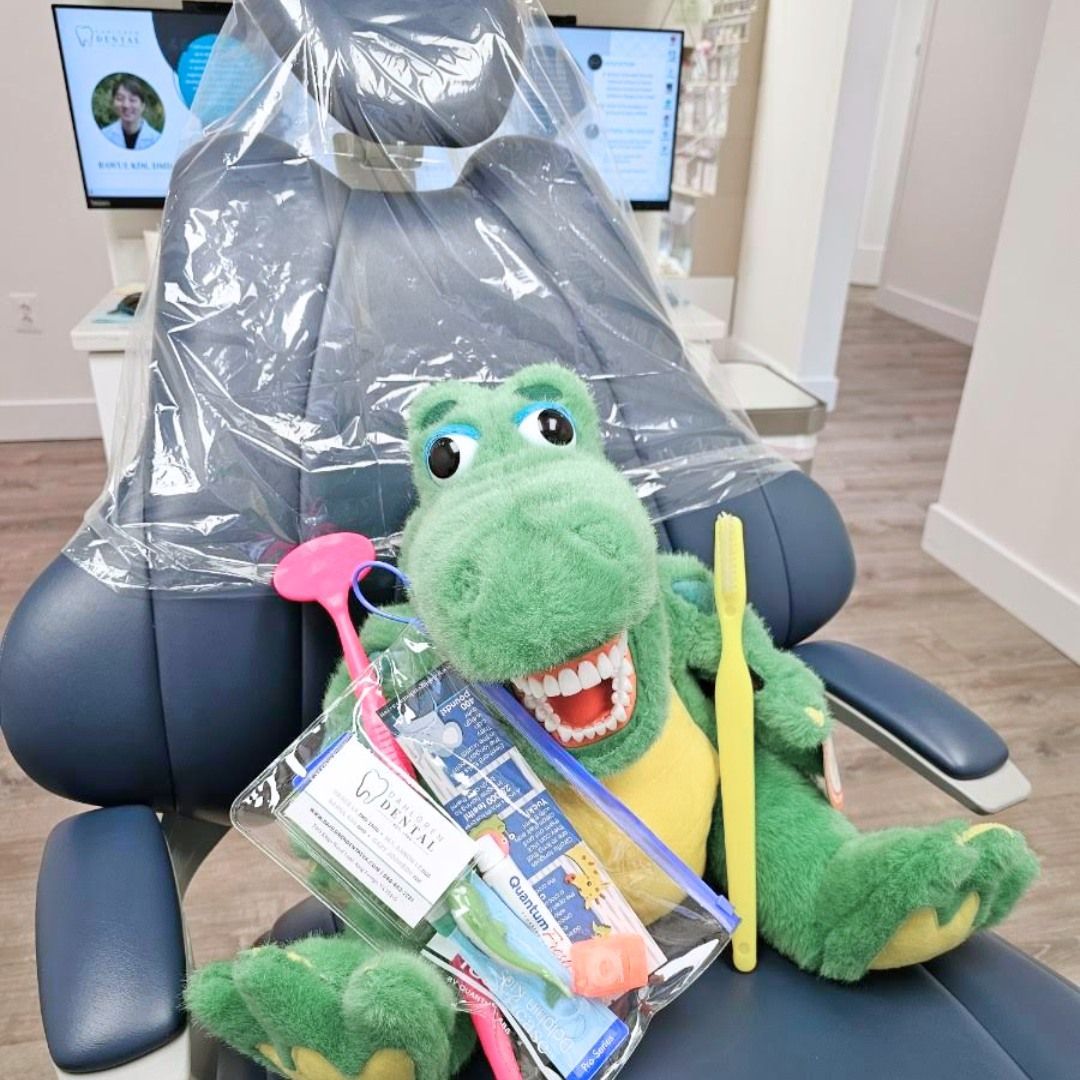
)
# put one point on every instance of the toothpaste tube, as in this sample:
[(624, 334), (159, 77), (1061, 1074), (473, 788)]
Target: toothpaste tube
[(602, 967), (502, 874)]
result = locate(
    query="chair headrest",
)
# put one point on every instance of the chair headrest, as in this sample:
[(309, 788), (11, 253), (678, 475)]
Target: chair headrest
[(420, 72)]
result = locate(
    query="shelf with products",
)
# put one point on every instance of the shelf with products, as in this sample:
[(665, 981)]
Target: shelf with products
[(733, 9), (718, 30)]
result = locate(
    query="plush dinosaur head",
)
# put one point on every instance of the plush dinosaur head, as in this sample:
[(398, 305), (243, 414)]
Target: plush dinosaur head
[(534, 563)]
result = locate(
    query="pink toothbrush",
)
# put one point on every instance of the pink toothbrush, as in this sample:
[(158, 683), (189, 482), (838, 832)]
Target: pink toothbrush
[(321, 571)]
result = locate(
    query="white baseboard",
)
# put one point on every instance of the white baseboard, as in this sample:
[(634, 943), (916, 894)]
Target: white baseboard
[(1038, 601), (866, 266), (45, 420), (941, 318), (825, 387)]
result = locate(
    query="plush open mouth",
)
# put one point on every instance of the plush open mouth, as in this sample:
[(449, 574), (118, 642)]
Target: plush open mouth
[(585, 699)]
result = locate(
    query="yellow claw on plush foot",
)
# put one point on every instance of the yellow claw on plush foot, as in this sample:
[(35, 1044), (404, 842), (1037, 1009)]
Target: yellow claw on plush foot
[(311, 1065), (389, 1065), (920, 937), (969, 834)]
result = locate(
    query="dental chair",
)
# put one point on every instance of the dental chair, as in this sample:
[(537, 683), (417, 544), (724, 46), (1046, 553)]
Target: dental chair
[(159, 709)]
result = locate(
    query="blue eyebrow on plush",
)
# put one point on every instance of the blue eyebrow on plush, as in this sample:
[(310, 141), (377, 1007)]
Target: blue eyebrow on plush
[(450, 429)]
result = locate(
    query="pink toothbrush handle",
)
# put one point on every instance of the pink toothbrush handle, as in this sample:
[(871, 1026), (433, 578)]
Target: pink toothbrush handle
[(490, 1030), (359, 667)]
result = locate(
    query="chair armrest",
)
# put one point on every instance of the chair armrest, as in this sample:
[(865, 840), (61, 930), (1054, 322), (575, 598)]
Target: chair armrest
[(919, 724), (110, 941)]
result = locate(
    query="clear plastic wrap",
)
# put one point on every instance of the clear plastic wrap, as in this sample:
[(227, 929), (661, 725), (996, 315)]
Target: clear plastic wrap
[(377, 195), (578, 949)]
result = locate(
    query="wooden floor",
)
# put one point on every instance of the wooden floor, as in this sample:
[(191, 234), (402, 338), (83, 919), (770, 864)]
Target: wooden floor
[(881, 457)]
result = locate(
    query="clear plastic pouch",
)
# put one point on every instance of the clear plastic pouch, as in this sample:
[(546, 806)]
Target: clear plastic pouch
[(479, 867)]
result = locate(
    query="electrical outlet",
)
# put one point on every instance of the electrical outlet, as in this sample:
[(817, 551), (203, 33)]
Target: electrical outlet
[(24, 312)]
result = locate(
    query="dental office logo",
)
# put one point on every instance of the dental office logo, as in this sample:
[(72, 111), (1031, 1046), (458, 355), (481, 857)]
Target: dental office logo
[(112, 39), (401, 808)]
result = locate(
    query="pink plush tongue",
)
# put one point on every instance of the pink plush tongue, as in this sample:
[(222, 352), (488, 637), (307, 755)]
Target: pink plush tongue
[(586, 706)]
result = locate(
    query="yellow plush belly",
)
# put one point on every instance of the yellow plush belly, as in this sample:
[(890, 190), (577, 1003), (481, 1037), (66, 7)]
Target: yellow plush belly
[(672, 788)]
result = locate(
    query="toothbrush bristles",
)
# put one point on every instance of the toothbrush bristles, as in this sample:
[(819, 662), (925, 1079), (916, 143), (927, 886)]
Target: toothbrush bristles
[(728, 525)]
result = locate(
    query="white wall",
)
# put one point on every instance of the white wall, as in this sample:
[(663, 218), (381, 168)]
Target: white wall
[(817, 108), (1008, 518), (975, 79), (898, 91), (50, 243)]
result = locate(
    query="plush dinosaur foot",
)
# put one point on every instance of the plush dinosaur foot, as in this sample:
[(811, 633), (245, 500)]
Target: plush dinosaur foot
[(332, 1009), (904, 896)]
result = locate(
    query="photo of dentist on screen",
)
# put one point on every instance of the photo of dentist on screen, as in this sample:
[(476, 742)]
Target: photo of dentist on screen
[(128, 111)]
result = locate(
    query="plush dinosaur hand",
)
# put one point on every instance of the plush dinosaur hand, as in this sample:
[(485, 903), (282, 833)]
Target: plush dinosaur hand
[(331, 1008), (790, 712)]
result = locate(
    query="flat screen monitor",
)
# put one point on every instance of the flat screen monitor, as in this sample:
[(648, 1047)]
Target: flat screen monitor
[(131, 76), (132, 73), (634, 76)]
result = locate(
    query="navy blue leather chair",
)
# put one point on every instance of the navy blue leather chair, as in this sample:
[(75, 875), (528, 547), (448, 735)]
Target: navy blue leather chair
[(159, 710)]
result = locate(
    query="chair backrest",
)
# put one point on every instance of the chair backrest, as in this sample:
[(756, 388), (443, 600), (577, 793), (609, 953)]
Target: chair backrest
[(179, 702)]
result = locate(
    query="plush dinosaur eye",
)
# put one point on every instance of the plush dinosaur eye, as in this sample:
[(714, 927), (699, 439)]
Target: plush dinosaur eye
[(451, 451), (545, 422)]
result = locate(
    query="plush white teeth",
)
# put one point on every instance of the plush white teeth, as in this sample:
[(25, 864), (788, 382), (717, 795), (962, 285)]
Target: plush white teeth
[(569, 683), (588, 675), (614, 665), (570, 736)]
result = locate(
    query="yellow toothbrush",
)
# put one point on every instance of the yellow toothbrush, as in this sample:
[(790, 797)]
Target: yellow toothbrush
[(735, 737)]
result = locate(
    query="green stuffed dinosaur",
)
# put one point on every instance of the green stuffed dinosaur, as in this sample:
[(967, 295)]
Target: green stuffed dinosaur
[(533, 563)]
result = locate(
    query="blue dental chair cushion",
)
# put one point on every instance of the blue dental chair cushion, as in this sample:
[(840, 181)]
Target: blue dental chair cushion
[(966, 1016)]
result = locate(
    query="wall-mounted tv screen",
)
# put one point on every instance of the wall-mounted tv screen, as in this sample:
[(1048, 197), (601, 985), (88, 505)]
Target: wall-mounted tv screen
[(132, 73), (131, 77)]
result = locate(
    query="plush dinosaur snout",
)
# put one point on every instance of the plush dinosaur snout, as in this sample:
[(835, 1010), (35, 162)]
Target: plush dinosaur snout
[(515, 574)]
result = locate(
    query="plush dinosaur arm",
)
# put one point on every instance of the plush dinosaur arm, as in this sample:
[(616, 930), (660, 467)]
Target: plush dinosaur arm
[(790, 711)]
